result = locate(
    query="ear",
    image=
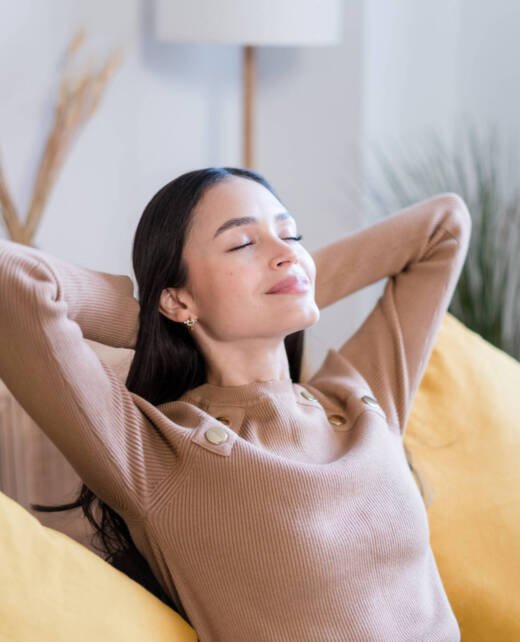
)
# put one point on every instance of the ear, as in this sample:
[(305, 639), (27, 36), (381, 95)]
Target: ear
[(172, 307)]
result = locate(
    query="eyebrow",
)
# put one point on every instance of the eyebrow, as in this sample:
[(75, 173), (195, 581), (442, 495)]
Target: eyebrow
[(248, 220)]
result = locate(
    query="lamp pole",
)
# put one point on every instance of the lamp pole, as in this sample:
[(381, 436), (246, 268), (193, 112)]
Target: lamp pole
[(248, 79)]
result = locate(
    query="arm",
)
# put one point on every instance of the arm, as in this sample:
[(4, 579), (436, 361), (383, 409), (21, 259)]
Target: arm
[(102, 304), (422, 249), (47, 307)]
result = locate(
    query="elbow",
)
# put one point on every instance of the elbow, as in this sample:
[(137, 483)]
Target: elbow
[(458, 216), (21, 270)]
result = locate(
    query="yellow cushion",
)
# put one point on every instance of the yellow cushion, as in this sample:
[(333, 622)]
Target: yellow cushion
[(464, 436), (53, 589)]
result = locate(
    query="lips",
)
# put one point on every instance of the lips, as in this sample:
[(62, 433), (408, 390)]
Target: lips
[(290, 283)]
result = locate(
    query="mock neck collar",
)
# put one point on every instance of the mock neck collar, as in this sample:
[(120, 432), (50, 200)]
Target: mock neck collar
[(248, 392)]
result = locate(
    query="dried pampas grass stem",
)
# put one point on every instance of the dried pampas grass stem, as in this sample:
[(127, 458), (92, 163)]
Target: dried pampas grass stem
[(78, 98)]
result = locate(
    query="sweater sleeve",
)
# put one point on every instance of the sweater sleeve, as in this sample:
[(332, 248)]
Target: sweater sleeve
[(421, 249), (47, 308)]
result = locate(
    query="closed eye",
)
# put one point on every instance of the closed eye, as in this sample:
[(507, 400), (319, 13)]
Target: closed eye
[(287, 238)]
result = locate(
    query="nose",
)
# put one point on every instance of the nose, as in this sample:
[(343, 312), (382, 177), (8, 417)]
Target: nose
[(284, 252)]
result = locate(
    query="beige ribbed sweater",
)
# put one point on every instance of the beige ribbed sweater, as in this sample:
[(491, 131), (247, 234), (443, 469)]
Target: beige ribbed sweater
[(305, 523)]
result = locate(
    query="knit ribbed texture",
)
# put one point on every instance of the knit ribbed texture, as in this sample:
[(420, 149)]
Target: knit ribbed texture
[(306, 523)]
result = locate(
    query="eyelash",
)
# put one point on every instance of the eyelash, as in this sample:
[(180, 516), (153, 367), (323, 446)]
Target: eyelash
[(288, 238)]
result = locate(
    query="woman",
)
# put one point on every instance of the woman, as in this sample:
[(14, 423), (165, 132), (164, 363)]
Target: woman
[(260, 507)]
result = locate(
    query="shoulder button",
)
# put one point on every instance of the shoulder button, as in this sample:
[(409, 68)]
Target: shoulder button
[(216, 435), (336, 420), (308, 395), (370, 401)]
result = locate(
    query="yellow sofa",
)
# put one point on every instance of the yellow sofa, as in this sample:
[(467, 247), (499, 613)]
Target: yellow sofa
[(464, 437), (53, 589)]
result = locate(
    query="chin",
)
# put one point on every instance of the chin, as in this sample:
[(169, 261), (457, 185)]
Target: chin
[(310, 319), (314, 319)]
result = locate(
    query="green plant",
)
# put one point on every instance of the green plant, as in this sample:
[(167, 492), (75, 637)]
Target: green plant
[(487, 296)]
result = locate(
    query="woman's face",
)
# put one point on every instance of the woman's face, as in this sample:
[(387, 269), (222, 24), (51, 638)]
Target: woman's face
[(227, 286)]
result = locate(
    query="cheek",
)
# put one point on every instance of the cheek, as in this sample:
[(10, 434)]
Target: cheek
[(228, 284), (239, 283), (231, 302)]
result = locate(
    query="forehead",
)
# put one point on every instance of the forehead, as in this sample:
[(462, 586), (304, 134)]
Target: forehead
[(233, 197)]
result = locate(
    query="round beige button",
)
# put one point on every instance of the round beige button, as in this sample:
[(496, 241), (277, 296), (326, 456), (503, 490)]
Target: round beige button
[(370, 401), (224, 420), (216, 435), (307, 395), (337, 420)]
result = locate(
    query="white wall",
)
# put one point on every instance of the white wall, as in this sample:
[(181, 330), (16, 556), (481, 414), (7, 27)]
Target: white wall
[(489, 74), (410, 67), (402, 67)]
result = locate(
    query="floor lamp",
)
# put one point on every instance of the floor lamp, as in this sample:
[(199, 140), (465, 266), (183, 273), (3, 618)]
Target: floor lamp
[(250, 23)]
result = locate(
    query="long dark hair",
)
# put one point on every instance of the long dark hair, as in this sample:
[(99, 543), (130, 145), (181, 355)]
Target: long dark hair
[(166, 362)]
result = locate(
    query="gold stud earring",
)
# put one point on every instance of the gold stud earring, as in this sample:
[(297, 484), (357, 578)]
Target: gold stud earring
[(190, 323)]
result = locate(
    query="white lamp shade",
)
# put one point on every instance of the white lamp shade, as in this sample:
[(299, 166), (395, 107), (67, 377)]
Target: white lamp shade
[(250, 22)]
